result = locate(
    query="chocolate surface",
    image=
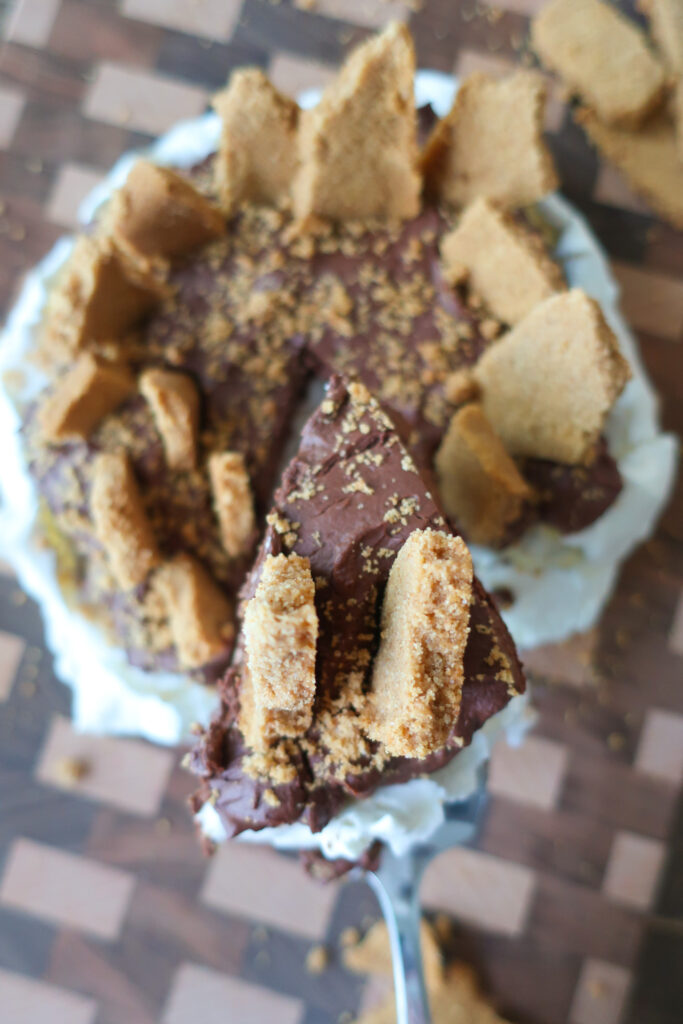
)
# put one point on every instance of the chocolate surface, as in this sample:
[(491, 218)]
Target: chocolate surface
[(355, 496)]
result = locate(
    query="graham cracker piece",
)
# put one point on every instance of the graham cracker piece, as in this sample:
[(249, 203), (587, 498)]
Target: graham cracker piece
[(601, 55), (280, 633), (358, 147), (548, 384), (649, 159), (233, 501), (99, 297), (200, 616), (120, 520), (157, 214), (174, 402), (507, 265), (480, 486), (418, 671), (372, 954), (666, 23), (456, 999), (257, 153), (491, 143), (83, 396)]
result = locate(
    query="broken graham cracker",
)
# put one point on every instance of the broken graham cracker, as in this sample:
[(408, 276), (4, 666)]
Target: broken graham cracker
[(480, 486), (199, 614), (280, 633), (372, 953), (83, 396), (453, 991), (158, 214), (174, 401), (257, 152), (507, 265), (120, 520), (99, 297), (649, 159), (491, 143), (418, 672), (358, 147), (548, 384), (233, 501), (666, 23), (601, 55)]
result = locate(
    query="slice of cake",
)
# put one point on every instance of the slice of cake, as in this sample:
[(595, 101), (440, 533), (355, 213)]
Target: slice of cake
[(369, 652)]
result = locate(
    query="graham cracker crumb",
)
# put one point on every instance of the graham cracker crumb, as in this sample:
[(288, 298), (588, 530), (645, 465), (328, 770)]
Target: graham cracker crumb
[(601, 55), (280, 633), (317, 959), (358, 146), (491, 143), (372, 953), (549, 383), (232, 501), (70, 770), (666, 22), (418, 672), (257, 152), (158, 214), (83, 396), (480, 486), (174, 402), (200, 616), (99, 297), (120, 520), (506, 264), (648, 158)]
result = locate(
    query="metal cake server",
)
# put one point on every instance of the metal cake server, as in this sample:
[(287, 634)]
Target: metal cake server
[(396, 884)]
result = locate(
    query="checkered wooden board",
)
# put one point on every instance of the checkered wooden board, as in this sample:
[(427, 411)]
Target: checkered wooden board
[(571, 905)]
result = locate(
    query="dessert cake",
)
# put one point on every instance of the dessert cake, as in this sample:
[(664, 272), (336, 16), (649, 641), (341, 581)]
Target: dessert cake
[(180, 337), (369, 653)]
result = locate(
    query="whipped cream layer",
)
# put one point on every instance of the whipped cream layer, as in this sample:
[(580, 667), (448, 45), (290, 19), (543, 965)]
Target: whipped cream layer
[(400, 815), (559, 582)]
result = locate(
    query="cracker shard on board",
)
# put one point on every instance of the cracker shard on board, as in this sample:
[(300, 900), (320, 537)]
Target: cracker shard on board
[(666, 21), (418, 673), (601, 55), (358, 147), (549, 383), (491, 143), (649, 159), (257, 153)]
